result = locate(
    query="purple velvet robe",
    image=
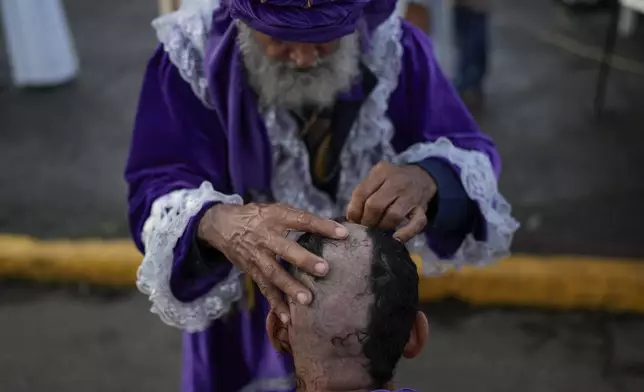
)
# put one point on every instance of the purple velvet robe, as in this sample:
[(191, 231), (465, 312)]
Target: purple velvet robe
[(179, 143)]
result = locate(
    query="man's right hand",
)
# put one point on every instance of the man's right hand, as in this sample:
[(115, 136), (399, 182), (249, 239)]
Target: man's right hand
[(252, 235)]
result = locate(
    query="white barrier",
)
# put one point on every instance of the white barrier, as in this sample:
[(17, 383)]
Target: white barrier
[(442, 29), (628, 16), (39, 43)]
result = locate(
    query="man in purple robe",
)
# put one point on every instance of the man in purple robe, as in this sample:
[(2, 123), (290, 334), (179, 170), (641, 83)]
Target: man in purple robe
[(326, 107), (364, 316)]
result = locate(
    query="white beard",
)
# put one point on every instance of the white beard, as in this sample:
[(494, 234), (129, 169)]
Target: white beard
[(284, 85)]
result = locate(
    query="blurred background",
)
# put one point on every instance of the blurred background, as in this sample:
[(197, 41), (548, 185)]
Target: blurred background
[(558, 84)]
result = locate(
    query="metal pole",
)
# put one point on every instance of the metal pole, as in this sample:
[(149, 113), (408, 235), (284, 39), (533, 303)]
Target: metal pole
[(604, 69)]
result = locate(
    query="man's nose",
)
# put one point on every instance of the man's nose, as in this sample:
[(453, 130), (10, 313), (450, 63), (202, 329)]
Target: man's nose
[(304, 55)]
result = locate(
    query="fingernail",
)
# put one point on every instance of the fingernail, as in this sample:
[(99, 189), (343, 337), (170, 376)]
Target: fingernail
[(284, 318), (341, 231), (303, 298), (321, 268)]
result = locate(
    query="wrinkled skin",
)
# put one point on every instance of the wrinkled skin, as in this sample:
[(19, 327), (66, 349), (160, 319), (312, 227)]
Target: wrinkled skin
[(393, 196), (252, 235)]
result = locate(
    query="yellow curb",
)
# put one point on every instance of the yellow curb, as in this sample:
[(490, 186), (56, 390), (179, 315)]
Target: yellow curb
[(554, 282), (112, 263)]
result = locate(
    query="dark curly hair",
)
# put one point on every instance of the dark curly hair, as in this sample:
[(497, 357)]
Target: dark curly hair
[(394, 284)]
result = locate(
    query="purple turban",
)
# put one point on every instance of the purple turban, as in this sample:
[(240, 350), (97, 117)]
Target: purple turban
[(309, 20)]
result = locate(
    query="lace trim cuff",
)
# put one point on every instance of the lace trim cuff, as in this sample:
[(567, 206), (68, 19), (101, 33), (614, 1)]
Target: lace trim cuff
[(167, 223), (480, 183)]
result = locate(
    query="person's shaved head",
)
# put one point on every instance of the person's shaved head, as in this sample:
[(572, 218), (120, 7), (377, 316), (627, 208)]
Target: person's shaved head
[(362, 315)]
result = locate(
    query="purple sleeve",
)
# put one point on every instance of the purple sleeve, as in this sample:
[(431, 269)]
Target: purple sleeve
[(451, 210), (175, 145), (425, 107)]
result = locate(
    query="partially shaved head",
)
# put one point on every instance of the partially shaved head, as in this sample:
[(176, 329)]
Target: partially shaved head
[(362, 313), (342, 299)]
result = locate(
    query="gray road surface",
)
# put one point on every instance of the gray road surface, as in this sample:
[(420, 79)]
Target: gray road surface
[(57, 341)]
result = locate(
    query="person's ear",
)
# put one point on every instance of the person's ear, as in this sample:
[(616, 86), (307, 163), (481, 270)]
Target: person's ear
[(417, 337), (278, 333)]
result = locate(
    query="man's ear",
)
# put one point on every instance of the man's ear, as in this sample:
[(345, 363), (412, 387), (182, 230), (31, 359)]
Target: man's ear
[(417, 337), (278, 333)]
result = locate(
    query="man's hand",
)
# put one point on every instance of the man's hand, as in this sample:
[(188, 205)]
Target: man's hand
[(252, 235), (390, 195)]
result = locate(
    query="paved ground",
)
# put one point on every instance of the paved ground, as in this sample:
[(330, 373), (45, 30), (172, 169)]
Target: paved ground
[(54, 340), (572, 179)]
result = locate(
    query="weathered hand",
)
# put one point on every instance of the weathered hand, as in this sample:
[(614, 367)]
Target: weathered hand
[(252, 235), (390, 195)]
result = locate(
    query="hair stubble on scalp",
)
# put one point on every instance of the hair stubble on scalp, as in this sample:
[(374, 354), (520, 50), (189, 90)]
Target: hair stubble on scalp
[(393, 288)]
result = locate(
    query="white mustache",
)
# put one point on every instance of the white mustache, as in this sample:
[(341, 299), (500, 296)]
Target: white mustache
[(285, 84), (291, 65)]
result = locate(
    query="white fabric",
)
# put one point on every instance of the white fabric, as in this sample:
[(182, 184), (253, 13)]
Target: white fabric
[(479, 181), (39, 43), (628, 16), (167, 222), (369, 142), (184, 34), (636, 5)]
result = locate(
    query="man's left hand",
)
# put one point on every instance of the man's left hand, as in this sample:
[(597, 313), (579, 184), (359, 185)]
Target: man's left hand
[(390, 195)]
